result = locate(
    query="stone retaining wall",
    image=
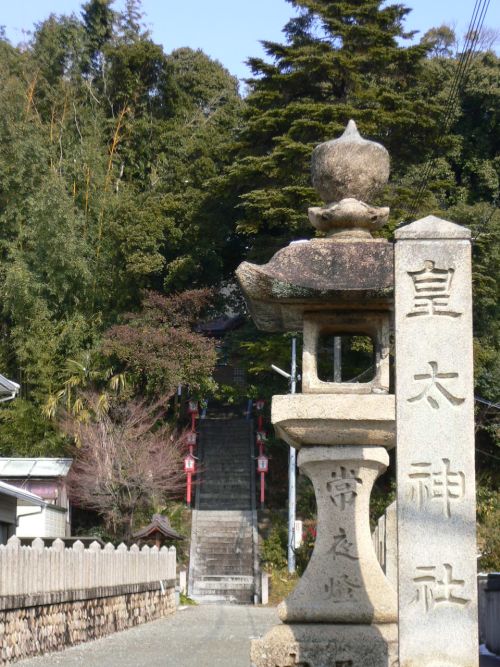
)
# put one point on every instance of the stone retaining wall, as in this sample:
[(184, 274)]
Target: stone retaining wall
[(31, 625), (54, 597)]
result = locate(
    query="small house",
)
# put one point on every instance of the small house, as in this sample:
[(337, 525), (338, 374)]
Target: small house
[(45, 478), (13, 499)]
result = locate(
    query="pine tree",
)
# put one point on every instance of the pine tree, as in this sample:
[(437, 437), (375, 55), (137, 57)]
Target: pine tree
[(98, 20), (341, 60)]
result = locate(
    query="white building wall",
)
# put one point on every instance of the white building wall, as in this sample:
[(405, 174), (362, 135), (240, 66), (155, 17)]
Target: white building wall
[(46, 521)]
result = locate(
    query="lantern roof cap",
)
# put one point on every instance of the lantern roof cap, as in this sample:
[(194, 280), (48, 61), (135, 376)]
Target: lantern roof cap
[(347, 172), (318, 275), (348, 269)]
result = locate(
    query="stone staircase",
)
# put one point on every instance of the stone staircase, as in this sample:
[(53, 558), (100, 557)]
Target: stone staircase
[(223, 560)]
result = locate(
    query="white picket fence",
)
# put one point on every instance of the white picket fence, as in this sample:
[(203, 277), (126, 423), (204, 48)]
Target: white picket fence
[(38, 569)]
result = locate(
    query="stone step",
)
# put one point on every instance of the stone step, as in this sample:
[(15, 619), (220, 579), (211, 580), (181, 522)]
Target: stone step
[(227, 515), (231, 569), (218, 577), (215, 484), (223, 585), (216, 467), (226, 572), (236, 441), (215, 505), (222, 520), (223, 523), (214, 525), (214, 549), (236, 498), (224, 532), (230, 598), (224, 557), (217, 565), (230, 472), (224, 538)]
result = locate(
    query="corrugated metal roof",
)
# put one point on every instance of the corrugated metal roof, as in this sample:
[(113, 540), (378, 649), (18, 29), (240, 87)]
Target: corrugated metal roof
[(8, 389), (39, 467), (25, 497)]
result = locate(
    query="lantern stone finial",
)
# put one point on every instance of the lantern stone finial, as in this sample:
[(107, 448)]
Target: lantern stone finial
[(346, 172)]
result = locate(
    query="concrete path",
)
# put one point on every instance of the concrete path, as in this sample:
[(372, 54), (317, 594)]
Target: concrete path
[(487, 659), (203, 636)]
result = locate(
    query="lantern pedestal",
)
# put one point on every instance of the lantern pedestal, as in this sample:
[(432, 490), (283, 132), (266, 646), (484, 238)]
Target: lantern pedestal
[(343, 612), (320, 645), (343, 582)]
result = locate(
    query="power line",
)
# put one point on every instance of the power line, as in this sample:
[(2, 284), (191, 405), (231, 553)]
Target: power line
[(472, 37), (486, 220), (471, 41), (488, 403), (487, 454)]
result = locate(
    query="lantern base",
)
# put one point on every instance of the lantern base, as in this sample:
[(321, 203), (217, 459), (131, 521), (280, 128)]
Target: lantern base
[(318, 644)]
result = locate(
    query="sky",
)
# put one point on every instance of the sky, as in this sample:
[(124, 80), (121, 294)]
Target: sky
[(230, 30)]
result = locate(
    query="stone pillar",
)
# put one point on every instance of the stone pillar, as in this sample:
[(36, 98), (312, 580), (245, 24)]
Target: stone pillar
[(343, 611), (435, 446), (343, 582)]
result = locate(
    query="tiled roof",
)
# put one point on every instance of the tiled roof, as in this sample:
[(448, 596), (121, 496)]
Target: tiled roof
[(158, 524)]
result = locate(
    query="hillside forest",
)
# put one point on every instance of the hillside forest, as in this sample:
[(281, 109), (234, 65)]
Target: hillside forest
[(133, 181)]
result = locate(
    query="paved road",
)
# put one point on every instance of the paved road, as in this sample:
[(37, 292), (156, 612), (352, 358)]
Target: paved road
[(489, 661), (203, 636)]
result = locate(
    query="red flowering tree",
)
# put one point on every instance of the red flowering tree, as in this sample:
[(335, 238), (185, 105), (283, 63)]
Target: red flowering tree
[(159, 346), (128, 461)]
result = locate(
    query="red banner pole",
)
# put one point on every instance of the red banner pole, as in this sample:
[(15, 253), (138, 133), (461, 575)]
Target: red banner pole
[(188, 490), (262, 488)]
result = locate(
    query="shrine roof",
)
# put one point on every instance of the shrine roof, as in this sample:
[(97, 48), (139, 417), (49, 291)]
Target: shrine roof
[(159, 524)]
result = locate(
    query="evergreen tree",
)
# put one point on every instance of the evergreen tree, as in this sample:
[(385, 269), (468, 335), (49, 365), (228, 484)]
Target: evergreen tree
[(99, 130), (98, 21), (341, 60)]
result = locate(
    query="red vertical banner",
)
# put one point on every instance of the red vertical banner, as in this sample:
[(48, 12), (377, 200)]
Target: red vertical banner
[(189, 469)]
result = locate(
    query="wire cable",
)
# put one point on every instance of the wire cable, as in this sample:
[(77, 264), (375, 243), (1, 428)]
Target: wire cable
[(459, 79)]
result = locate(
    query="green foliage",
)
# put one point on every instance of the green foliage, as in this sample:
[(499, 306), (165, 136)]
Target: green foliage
[(383, 494), (488, 514), (304, 552), (341, 60), (306, 498), (273, 551), (441, 41), (158, 348), (281, 584), (124, 169), (107, 146), (23, 432)]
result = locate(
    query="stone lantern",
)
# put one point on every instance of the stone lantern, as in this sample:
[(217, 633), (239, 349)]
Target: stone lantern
[(343, 612)]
